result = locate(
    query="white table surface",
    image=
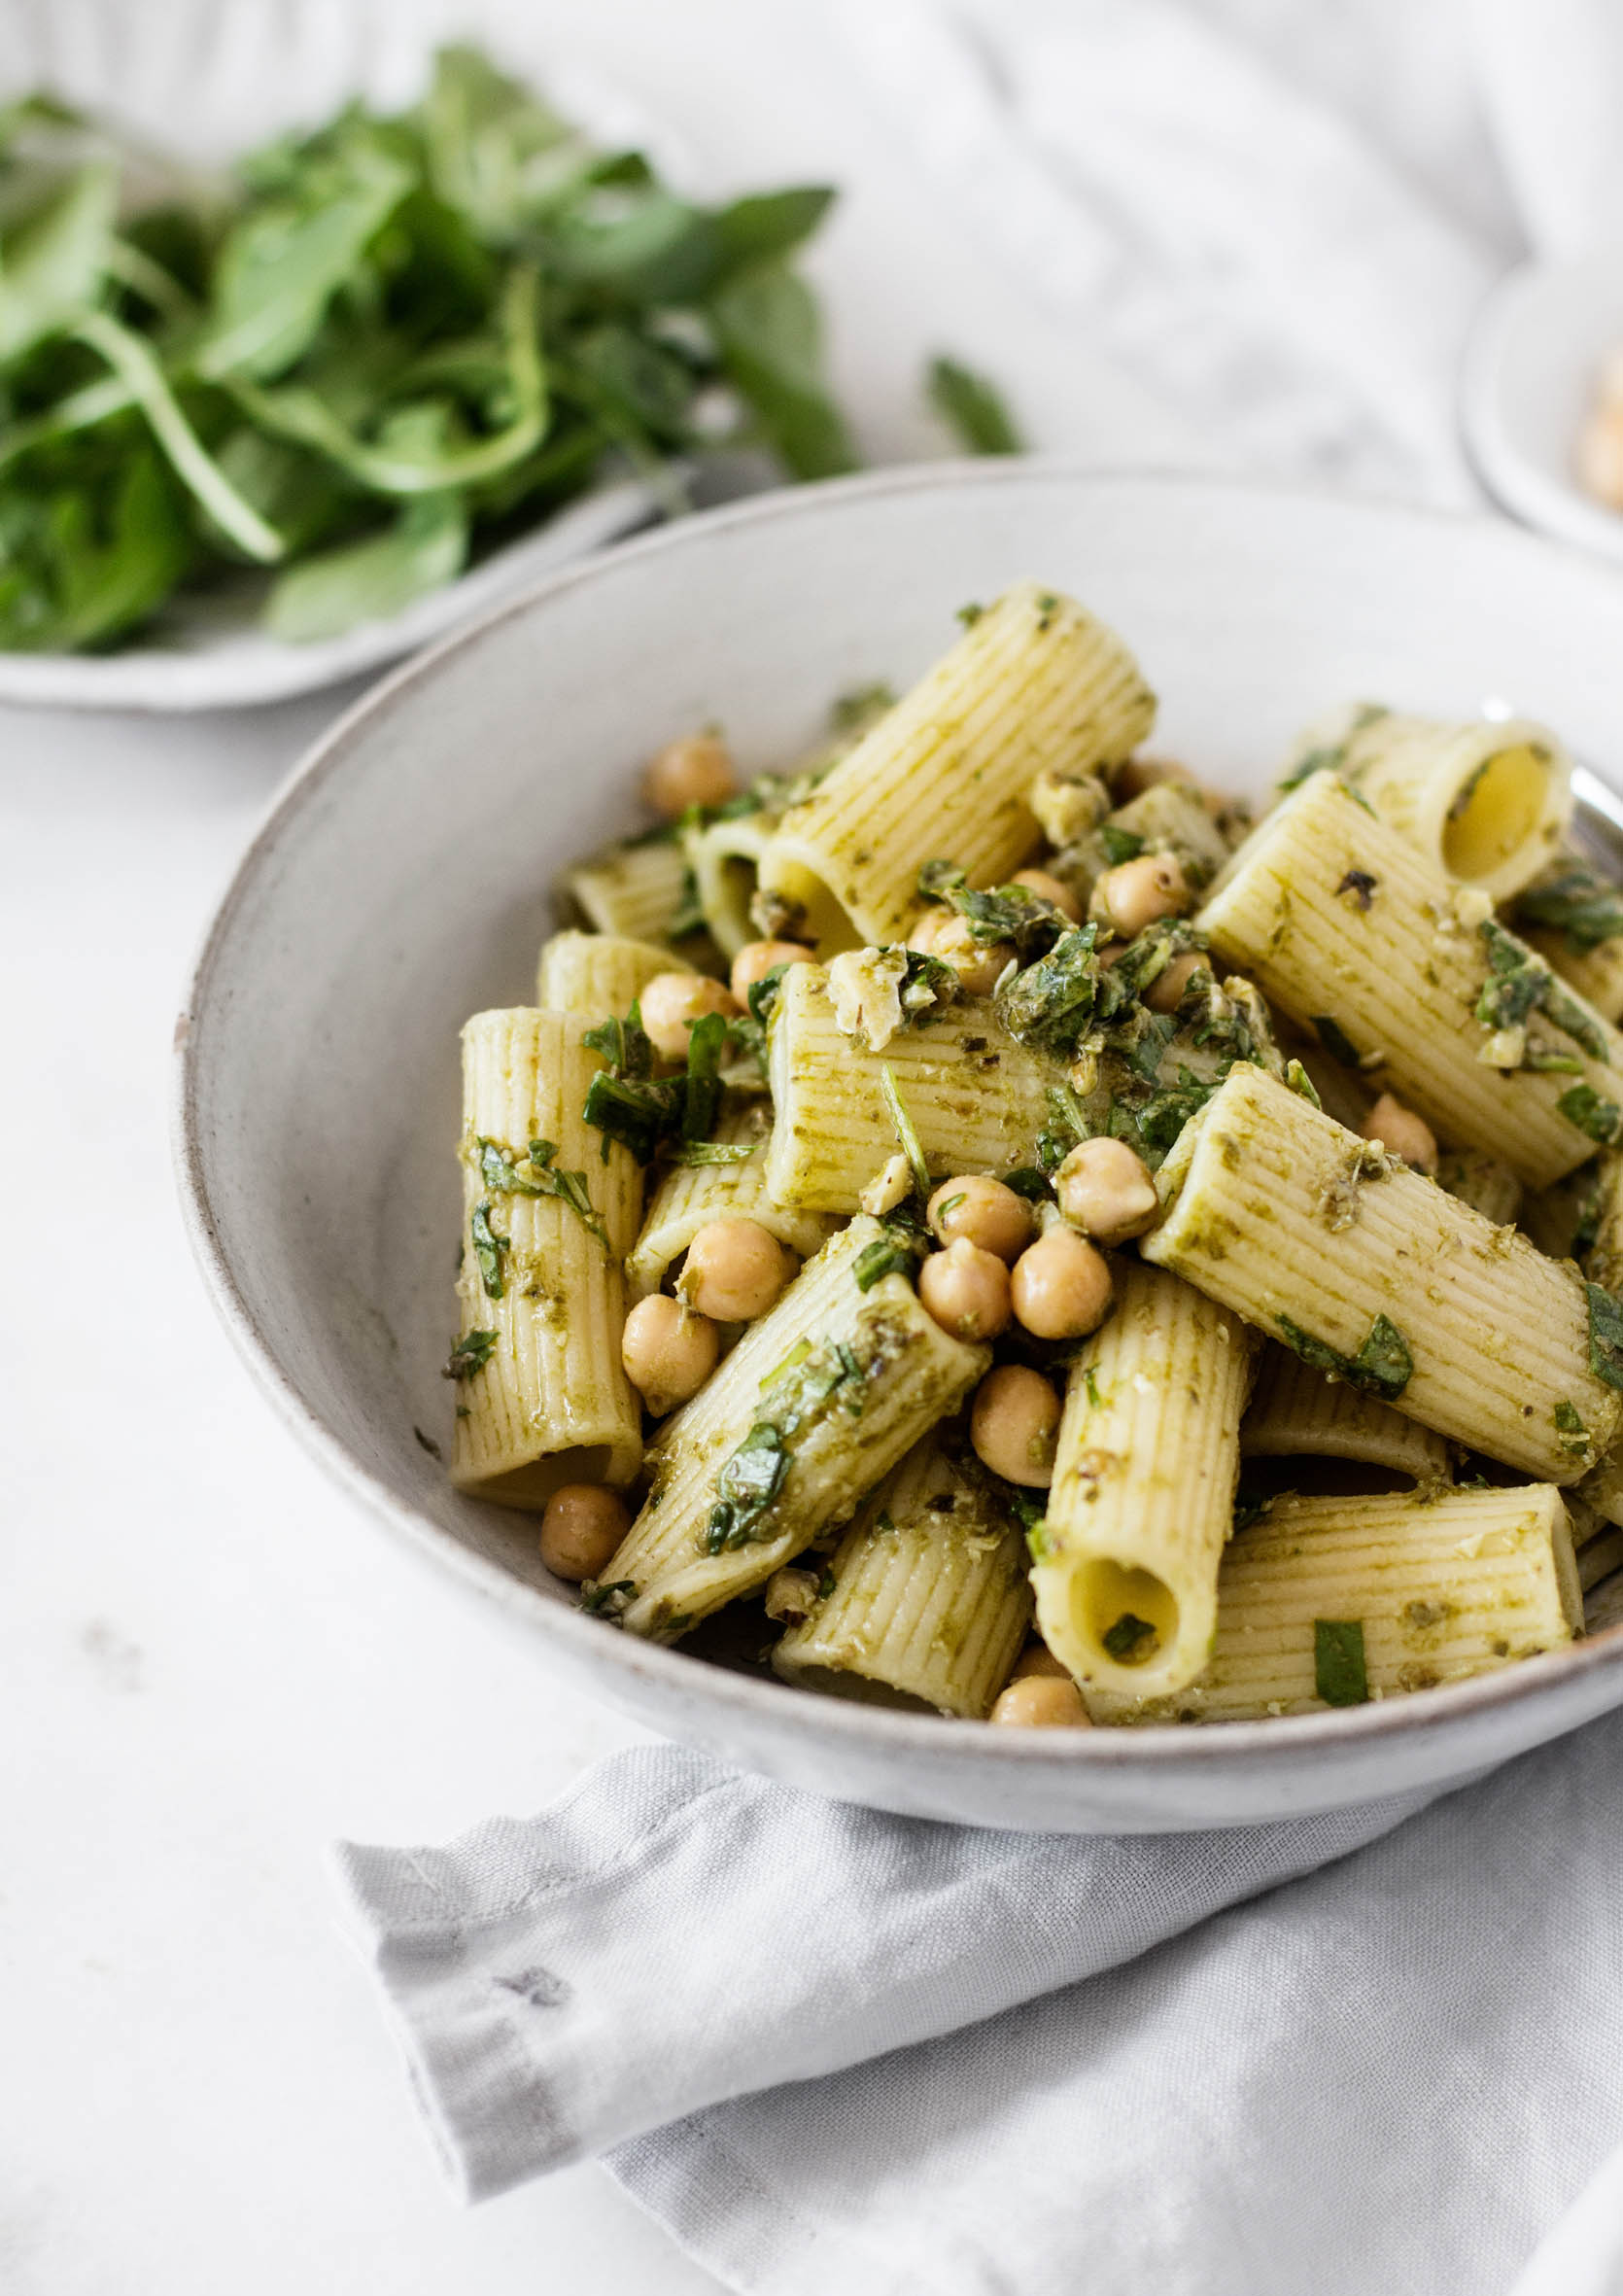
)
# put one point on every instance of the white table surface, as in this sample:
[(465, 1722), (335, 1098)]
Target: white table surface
[(210, 1663)]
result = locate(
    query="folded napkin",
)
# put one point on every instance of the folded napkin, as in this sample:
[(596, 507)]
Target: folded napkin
[(834, 2049)]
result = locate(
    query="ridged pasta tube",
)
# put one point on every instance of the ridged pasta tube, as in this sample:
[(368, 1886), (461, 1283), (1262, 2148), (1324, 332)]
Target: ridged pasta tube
[(598, 974), (1338, 920), (977, 1100), (726, 859), (1437, 1587), (930, 1601), (1143, 1492), (1276, 1210), (541, 1397), (817, 1402), (1485, 804), (1034, 683), (1169, 818), (634, 889), (690, 1196), (1298, 1412), (1594, 974)]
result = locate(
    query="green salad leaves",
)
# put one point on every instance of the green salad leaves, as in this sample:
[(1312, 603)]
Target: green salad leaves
[(379, 349)]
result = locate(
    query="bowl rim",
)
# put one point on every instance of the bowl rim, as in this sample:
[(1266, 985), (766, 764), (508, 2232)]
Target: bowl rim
[(928, 1739)]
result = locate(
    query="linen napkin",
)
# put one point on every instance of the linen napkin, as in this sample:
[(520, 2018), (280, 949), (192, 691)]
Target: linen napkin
[(1372, 2052)]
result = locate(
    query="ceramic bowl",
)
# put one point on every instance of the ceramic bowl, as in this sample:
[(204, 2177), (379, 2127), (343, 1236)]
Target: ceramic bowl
[(401, 882), (1526, 383)]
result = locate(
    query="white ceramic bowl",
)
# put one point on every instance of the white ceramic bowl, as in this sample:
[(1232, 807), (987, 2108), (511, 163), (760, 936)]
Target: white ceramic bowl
[(401, 882), (1527, 382)]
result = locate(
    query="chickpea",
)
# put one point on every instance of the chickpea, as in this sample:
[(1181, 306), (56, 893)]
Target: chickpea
[(1106, 1191), (984, 1211), (979, 964), (1165, 993), (697, 770), (1060, 1287), (583, 1524), (1014, 1424), (735, 1270), (1042, 1702), (673, 1001), (966, 1290), (667, 1351), (1038, 1659), (1402, 1133), (1135, 894), (1050, 889), (756, 959)]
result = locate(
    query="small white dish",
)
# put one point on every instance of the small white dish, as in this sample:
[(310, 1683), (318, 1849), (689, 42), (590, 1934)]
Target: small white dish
[(1526, 383), (401, 883)]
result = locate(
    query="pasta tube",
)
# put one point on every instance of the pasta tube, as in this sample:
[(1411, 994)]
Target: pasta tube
[(1332, 1601), (725, 860), (930, 1601), (1298, 1412), (1485, 804), (541, 1397), (1143, 1492), (1034, 683), (1364, 1268), (1485, 1182), (690, 1196), (1335, 916), (815, 1404), (975, 1099), (637, 890), (598, 974)]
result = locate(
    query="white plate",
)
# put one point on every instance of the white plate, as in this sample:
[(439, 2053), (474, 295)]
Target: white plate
[(1526, 383), (205, 80), (401, 882)]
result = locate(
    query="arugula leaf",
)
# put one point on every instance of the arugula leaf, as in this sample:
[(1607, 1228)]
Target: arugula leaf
[(1591, 1112), (703, 1152), (971, 408), (372, 579), (996, 913), (489, 1249), (1382, 1366), (1606, 1335), (907, 1133), (1572, 900), (1339, 1673), (754, 1473), (503, 1173), (52, 260), (1119, 845), (1051, 1003), (1125, 1639), (706, 1042), (767, 331)]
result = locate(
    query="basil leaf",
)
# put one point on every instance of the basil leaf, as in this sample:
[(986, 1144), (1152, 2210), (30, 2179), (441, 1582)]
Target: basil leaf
[(1339, 1674), (971, 408)]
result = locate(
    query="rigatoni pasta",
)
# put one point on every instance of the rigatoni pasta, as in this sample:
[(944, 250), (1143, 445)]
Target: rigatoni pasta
[(926, 1600), (1034, 682), (541, 1397), (1018, 1244), (1416, 984)]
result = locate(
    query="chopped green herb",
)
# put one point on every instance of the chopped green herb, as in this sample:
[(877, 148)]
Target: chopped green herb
[(907, 1133), (1572, 899), (861, 708), (504, 1172), (427, 1442), (970, 614), (1382, 1366), (754, 1473), (707, 1041), (1090, 1384), (826, 1585), (470, 1354), (1575, 1435), (1519, 982), (1360, 884), (1248, 1505), (1314, 761), (1336, 1040), (1339, 1675), (971, 408), (1011, 913), (1599, 1119), (897, 1252), (1051, 1003), (1119, 845), (1026, 1180), (1298, 1080), (950, 1205), (1606, 1335), (607, 1598), (1123, 1640), (703, 1152), (488, 1250)]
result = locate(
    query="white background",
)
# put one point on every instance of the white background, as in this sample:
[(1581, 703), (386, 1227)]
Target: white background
[(210, 1664)]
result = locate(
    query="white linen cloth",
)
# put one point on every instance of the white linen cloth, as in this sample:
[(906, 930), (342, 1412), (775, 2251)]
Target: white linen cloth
[(1376, 2052)]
